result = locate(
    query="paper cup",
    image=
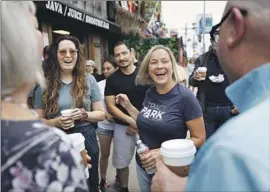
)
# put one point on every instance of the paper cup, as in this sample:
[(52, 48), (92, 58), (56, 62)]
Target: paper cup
[(178, 154), (202, 71), (77, 139), (67, 113)]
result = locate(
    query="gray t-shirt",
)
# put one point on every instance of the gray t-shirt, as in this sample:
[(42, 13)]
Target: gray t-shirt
[(65, 98)]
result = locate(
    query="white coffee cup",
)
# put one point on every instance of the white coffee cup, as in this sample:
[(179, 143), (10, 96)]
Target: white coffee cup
[(77, 140), (202, 71), (178, 154), (67, 113)]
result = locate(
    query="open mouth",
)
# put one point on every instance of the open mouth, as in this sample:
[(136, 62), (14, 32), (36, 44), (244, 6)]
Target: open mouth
[(160, 74), (68, 62)]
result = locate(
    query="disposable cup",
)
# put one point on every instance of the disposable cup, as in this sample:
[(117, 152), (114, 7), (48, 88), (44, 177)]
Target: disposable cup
[(202, 71), (67, 113), (77, 139), (177, 155)]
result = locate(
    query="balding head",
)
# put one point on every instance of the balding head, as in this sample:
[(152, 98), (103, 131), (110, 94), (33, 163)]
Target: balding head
[(244, 41)]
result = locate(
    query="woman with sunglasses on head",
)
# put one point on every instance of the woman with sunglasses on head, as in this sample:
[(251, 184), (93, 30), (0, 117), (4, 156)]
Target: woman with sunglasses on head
[(105, 129), (69, 88)]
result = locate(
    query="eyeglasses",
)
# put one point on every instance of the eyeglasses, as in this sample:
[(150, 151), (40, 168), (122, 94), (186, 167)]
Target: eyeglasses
[(215, 29), (72, 52)]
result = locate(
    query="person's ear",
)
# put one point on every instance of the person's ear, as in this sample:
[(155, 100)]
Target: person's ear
[(236, 28)]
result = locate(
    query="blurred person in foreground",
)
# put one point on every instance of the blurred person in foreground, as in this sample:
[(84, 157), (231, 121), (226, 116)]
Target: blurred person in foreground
[(69, 88), (237, 157), (34, 157)]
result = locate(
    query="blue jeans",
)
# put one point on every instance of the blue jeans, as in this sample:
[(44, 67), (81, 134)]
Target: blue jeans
[(144, 179), (214, 117)]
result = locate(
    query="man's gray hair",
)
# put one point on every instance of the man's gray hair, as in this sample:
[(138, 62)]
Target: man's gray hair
[(20, 60), (90, 62)]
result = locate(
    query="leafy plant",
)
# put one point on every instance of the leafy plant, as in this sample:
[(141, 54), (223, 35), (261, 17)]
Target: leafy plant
[(143, 45)]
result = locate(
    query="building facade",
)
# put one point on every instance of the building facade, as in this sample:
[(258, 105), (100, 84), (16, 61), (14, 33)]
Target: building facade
[(87, 20)]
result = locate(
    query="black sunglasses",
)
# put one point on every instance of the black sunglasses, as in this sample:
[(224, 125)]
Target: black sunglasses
[(214, 31)]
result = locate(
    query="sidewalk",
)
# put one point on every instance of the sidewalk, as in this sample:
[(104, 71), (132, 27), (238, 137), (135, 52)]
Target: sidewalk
[(133, 183)]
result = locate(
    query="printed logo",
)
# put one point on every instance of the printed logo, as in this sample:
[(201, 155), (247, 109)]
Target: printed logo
[(153, 111)]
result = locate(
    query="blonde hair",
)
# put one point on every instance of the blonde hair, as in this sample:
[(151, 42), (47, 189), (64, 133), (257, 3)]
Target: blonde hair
[(20, 61), (144, 79)]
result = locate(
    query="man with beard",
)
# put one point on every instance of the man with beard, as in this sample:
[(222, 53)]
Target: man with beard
[(237, 157), (123, 81)]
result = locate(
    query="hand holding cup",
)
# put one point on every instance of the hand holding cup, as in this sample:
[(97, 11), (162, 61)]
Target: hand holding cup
[(66, 122), (200, 73)]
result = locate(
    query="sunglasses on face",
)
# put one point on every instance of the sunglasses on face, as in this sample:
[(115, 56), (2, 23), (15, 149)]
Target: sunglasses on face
[(72, 52), (215, 29)]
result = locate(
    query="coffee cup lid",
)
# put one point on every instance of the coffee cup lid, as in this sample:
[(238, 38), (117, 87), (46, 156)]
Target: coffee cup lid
[(77, 139), (178, 148), (66, 111), (202, 69)]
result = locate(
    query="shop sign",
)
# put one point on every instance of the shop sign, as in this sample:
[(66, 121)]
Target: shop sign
[(75, 14), (202, 20)]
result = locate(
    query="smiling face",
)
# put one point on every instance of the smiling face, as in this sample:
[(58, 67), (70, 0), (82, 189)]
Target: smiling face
[(160, 67), (67, 55), (123, 56)]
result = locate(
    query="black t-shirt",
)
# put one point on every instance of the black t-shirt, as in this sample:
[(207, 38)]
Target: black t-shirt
[(118, 83), (215, 92), (99, 77)]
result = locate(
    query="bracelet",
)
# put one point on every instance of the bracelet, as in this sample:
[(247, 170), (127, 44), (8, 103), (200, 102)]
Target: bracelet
[(84, 114)]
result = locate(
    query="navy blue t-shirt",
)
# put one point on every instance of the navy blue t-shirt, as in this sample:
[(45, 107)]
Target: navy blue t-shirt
[(163, 117)]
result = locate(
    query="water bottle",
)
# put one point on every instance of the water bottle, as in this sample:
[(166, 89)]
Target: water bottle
[(143, 149)]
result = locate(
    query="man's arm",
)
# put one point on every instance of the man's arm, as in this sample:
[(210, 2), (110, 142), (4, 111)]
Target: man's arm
[(117, 113)]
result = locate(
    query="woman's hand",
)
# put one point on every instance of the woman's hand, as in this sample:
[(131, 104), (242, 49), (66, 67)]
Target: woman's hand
[(77, 114), (132, 131), (65, 122), (123, 100), (150, 159)]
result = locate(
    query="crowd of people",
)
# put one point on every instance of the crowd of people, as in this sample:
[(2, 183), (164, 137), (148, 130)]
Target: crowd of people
[(148, 100)]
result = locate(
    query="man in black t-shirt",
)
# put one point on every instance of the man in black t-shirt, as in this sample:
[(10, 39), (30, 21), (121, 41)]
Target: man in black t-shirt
[(217, 108), (123, 81)]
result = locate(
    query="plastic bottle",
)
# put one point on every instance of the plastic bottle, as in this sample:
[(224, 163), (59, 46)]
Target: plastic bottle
[(143, 149)]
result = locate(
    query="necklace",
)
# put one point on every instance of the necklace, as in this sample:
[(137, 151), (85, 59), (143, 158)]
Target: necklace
[(9, 99)]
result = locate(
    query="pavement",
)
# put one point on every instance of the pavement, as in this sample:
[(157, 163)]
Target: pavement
[(111, 173)]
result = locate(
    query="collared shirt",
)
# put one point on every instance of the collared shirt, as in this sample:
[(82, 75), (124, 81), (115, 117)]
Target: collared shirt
[(237, 157)]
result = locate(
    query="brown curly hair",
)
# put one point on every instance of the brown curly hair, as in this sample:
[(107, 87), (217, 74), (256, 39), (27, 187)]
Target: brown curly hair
[(53, 80)]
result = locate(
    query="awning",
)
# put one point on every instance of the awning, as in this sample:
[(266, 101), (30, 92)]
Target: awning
[(68, 10)]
